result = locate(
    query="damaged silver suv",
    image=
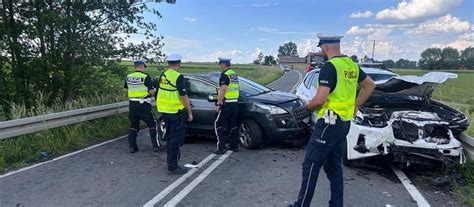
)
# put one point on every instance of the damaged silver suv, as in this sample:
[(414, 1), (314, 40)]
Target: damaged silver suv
[(401, 121)]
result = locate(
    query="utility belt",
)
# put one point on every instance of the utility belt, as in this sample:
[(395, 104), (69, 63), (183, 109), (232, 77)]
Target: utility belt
[(330, 117), (141, 100), (231, 101)]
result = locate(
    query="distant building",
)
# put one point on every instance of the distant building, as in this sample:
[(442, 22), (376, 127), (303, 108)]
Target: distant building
[(291, 60)]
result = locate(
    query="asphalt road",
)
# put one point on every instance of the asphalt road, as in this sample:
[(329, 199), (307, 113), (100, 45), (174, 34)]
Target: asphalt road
[(109, 176)]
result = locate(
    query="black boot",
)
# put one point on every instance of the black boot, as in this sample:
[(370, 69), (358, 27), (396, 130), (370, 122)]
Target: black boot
[(132, 140)]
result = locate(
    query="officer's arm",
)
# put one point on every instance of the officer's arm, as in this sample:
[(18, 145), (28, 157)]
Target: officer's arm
[(220, 97), (185, 101), (367, 86), (320, 98)]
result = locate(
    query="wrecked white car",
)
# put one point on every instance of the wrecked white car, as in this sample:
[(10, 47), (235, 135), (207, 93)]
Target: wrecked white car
[(402, 122)]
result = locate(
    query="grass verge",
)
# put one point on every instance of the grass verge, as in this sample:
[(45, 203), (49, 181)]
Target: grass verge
[(465, 190), (24, 150)]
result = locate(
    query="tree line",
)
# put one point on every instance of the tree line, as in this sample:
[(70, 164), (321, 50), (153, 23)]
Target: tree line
[(69, 48), (432, 59)]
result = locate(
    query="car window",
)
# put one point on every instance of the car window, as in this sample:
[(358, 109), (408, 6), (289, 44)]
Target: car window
[(379, 77), (250, 88), (314, 80), (307, 80), (199, 89)]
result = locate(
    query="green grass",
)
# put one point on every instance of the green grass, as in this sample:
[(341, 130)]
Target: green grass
[(465, 191), (457, 93), (24, 150)]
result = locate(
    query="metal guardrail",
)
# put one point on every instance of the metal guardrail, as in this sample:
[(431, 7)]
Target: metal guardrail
[(28, 125), (468, 145)]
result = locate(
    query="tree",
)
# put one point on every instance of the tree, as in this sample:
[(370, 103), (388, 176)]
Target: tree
[(259, 59), (72, 48), (405, 64), (269, 60), (431, 59), (355, 58), (288, 49), (389, 63), (449, 58), (467, 58)]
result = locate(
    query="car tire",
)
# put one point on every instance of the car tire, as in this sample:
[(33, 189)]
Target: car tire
[(251, 136), (161, 129), (345, 161)]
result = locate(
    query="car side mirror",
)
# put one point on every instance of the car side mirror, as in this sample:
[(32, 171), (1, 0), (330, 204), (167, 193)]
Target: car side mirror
[(212, 98)]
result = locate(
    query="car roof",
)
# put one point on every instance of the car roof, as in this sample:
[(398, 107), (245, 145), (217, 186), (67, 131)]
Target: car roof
[(377, 71), (209, 76)]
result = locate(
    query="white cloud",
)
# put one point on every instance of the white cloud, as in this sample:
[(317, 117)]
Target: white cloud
[(361, 47), (225, 53), (307, 46), (445, 24), (461, 42), (190, 19), (356, 30), (418, 10), (366, 14), (254, 55)]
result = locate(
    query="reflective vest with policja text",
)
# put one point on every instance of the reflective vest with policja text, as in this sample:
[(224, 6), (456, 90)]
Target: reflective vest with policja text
[(168, 100), (136, 85), (342, 99), (233, 88)]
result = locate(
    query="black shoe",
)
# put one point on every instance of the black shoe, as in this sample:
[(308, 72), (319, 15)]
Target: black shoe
[(234, 149), (178, 171), (220, 151), (159, 149), (133, 149)]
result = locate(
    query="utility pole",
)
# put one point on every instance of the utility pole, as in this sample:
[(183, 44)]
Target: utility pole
[(373, 51)]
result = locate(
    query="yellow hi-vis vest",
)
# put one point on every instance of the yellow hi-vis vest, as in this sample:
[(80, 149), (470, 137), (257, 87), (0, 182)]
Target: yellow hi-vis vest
[(168, 100), (342, 99), (136, 85), (233, 88)]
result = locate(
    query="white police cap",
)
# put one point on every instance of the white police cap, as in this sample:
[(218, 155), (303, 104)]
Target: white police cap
[(329, 39), (174, 58)]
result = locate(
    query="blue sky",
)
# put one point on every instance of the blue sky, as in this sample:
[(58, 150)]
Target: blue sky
[(202, 30)]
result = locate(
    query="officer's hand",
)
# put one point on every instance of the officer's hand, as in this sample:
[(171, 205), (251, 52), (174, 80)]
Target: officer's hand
[(218, 109), (190, 117), (356, 109)]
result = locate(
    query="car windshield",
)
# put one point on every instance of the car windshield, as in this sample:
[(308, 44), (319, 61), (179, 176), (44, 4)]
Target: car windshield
[(380, 77), (250, 88)]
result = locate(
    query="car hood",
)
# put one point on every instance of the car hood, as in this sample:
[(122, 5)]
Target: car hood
[(418, 86), (274, 97)]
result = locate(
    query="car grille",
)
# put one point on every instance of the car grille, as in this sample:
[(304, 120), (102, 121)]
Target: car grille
[(300, 113)]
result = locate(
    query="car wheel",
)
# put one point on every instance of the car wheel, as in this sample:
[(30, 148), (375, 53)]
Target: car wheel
[(251, 136), (161, 128), (345, 161)]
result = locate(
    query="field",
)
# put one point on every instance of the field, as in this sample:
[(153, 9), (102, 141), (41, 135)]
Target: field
[(259, 73), (457, 93)]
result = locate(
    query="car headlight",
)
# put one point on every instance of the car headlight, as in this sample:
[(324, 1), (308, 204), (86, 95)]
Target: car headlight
[(272, 108)]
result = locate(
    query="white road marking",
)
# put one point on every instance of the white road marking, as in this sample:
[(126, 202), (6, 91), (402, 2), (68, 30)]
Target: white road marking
[(178, 182), (60, 157), (415, 194), (186, 190), (300, 79)]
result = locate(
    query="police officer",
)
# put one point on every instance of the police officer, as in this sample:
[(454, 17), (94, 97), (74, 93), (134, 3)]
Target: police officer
[(335, 104), (227, 107), (171, 102), (139, 86)]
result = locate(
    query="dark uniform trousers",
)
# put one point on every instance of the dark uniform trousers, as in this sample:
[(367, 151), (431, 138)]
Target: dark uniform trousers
[(175, 137), (226, 126), (137, 112), (325, 148)]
